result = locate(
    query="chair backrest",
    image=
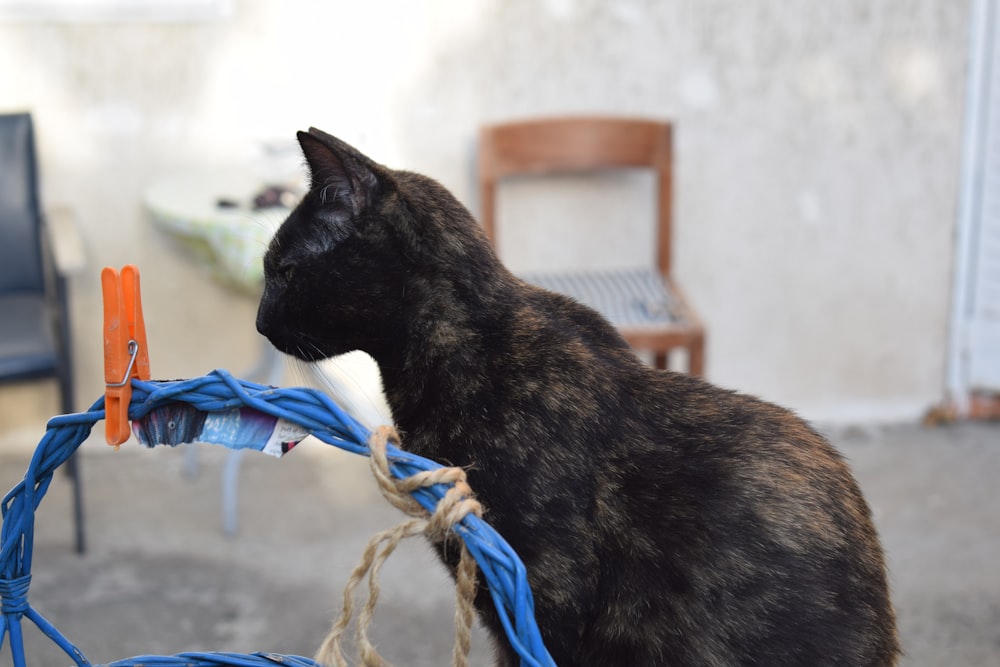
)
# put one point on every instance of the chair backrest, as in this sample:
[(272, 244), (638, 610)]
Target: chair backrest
[(574, 144), (20, 215)]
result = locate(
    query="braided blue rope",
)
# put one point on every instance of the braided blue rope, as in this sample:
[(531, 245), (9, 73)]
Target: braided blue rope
[(310, 409)]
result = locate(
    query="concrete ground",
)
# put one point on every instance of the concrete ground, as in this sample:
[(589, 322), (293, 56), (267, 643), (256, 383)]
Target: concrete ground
[(160, 577)]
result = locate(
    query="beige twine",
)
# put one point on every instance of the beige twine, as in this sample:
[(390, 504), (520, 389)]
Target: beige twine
[(451, 509)]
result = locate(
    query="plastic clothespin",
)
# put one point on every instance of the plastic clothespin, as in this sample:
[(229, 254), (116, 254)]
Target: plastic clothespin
[(125, 353)]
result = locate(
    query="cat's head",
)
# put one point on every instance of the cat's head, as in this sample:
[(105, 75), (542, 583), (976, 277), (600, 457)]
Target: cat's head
[(366, 246)]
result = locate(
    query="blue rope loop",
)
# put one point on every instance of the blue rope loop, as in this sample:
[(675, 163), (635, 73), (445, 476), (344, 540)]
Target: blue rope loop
[(215, 660), (14, 595), (217, 391)]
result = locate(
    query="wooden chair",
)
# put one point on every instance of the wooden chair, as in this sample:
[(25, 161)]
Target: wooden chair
[(645, 304)]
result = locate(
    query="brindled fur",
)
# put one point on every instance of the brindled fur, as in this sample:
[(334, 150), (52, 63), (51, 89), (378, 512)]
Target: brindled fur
[(662, 520)]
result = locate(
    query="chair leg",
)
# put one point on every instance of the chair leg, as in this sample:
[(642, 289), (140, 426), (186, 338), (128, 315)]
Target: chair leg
[(268, 370), (231, 492), (696, 357), (79, 534), (73, 464), (661, 360)]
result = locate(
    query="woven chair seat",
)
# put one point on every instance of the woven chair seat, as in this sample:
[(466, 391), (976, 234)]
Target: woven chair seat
[(631, 298)]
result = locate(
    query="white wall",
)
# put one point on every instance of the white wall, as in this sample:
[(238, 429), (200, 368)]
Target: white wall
[(817, 153)]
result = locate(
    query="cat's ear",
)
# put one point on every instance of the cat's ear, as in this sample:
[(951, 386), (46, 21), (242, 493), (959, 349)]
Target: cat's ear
[(338, 171)]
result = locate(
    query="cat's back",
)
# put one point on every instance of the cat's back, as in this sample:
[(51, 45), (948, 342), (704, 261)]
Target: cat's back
[(706, 526), (778, 541)]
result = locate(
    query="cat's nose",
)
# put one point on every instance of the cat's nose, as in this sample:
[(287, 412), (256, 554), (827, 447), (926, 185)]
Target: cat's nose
[(262, 321)]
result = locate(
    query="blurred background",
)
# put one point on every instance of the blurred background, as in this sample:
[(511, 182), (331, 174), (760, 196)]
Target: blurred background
[(817, 155), (821, 164)]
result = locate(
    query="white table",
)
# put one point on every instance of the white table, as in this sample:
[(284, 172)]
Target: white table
[(231, 243)]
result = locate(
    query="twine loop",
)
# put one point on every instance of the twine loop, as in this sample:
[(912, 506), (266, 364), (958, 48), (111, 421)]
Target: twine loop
[(457, 503)]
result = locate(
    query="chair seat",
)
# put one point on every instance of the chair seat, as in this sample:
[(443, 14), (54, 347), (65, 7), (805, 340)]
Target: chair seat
[(630, 299), (27, 347)]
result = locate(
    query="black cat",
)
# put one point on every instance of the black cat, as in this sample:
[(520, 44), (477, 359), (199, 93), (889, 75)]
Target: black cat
[(662, 520)]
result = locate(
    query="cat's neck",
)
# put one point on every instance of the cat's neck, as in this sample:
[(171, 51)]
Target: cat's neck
[(452, 339), (473, 352)]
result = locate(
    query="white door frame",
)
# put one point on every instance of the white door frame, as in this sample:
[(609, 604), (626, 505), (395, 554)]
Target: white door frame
[(982, 130)]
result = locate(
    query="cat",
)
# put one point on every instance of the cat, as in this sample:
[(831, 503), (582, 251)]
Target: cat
[(662, 520)]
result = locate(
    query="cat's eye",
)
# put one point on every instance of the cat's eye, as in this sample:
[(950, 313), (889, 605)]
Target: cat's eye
[(286, 271)]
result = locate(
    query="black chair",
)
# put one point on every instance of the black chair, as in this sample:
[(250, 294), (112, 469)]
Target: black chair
[(36, 253)]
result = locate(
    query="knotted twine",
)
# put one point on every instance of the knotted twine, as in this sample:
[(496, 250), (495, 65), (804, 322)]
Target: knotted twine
[(451, 509)]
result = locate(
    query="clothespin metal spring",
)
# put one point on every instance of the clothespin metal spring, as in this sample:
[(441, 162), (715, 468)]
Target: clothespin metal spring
[(133, 350)]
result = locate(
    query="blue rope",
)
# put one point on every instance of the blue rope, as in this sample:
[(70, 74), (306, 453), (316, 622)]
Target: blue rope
[(310, 409)]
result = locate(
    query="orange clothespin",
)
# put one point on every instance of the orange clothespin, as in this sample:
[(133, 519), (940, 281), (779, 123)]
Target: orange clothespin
[(125, 353)]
